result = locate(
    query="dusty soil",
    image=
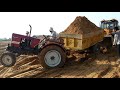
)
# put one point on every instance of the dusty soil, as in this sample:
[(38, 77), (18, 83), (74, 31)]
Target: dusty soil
[(101, 66), (81, 25)]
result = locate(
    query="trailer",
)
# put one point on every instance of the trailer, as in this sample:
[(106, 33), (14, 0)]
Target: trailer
[(83, 43)]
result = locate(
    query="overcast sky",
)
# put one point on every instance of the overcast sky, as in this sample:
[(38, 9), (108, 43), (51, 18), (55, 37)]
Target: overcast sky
[(18, 22)]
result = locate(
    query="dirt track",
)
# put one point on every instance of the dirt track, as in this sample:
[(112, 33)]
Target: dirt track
[(104, 66)]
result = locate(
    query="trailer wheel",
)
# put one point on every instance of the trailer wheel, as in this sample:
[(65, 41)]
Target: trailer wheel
[(52, 56), (96, 48), (8, 59)]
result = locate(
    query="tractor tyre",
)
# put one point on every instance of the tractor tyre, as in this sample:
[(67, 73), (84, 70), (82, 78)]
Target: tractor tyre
[(8, 59), (52, 56)]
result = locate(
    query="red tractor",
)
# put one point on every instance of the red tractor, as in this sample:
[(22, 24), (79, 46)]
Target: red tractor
[(51, 53)]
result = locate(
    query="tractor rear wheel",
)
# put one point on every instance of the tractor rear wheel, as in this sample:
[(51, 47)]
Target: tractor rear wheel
[(52, 56), (8, 59)]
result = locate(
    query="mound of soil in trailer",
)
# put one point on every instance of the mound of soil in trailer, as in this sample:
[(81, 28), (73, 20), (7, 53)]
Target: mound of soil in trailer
[(81, 25)]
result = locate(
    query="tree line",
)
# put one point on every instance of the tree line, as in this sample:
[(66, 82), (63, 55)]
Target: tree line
[(5, 39)]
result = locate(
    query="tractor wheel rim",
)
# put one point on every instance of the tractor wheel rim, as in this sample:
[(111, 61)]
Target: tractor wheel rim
[(52, 58), (7, 60)]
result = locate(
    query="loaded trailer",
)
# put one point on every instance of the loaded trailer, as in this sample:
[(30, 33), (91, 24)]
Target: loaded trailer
[(83, 43)]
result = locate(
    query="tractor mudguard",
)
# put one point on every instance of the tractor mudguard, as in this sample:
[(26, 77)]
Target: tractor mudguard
[(54, 43)]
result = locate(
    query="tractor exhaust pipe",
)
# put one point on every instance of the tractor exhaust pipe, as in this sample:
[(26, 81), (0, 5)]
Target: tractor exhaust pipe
[(30, 30)]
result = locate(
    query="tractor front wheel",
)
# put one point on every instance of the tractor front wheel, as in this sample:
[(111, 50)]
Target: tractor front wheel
[(8, 59)]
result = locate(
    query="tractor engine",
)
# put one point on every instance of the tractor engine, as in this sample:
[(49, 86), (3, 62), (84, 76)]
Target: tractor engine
[(21, 44)]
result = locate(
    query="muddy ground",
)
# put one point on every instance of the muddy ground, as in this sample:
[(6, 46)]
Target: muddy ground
[(101, 66)]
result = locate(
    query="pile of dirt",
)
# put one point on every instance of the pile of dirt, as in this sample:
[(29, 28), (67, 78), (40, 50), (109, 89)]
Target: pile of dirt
[(81, 25)]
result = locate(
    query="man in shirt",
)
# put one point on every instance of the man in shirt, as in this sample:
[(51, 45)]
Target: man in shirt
[(54, 35), (116, 42)]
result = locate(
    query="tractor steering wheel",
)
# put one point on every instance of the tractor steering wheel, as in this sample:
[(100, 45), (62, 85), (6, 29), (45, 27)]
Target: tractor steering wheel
[(45, 37)]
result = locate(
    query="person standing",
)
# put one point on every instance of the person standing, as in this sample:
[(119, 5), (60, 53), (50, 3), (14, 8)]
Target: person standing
[(116, 42)]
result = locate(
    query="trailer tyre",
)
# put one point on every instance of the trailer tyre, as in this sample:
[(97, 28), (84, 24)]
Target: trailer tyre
[(8, 59), (52, 56), (96, 48)]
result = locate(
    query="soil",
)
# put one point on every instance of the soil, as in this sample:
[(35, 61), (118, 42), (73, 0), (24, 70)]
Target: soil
[(102, 66), (81, 25)]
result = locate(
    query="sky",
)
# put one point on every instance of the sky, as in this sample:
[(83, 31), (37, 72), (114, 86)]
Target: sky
[(18, 22)]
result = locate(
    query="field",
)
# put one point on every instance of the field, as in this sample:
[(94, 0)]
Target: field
[(103, 66)]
